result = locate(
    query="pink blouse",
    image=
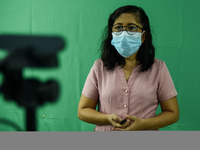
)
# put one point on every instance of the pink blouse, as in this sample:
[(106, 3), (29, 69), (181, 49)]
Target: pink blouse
[(140, 96)]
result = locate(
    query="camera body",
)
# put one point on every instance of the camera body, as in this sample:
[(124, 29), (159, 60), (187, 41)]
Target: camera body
[(29, 51)]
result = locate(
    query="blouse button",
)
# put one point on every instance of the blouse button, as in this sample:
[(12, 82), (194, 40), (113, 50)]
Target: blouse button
[(125, 106), (126, 91)]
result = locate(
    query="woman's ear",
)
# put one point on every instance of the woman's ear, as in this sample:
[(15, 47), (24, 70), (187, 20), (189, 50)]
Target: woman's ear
[(143, 36)]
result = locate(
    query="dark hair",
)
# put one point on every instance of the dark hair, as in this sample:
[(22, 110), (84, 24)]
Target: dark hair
[(146, 53)]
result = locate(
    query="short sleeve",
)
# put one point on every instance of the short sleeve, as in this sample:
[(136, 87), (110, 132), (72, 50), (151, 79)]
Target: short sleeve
[(166, 88), (90, 88)]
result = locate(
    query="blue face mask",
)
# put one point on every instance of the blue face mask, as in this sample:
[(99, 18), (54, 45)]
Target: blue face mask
[(126, 44)]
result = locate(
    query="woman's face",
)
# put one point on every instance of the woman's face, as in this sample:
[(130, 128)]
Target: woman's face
[(126, 19)]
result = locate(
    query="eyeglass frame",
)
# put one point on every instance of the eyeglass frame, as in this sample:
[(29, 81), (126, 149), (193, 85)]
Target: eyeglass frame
[(126, 27)]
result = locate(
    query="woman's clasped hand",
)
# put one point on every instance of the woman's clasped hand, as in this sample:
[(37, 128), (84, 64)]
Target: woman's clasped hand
[(132, 123)]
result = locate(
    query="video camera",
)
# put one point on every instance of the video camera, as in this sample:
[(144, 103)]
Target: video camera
[(29, 52)]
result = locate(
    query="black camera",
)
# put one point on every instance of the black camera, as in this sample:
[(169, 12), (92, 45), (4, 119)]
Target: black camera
[(26, 51)]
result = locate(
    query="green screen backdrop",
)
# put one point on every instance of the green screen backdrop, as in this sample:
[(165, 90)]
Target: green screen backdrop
[(175, 28)]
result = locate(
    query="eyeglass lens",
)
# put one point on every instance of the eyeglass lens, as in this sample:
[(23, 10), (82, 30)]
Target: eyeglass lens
[(131, 29)]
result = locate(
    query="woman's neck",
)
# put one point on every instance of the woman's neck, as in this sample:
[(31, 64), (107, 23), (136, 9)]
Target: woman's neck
[(131, 62)]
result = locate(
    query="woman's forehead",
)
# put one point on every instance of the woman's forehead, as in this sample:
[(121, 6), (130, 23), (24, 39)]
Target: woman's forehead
[(127, 18)]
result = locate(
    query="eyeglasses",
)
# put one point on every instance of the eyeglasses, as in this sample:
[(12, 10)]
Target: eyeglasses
[(130, 29)]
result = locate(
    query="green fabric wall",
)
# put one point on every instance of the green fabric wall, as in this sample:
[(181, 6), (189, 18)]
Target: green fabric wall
[(175, 27)]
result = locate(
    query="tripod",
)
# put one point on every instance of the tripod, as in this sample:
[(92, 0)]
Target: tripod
[(29, 51)]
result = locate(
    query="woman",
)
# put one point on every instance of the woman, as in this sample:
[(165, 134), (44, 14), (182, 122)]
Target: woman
[(128, 83)]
